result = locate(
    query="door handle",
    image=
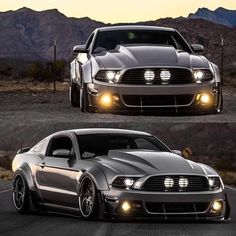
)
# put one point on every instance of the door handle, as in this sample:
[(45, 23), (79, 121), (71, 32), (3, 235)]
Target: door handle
[(42, 165)]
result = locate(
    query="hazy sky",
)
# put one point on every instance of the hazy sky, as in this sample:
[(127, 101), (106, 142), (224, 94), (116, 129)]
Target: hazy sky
[(119, 10)]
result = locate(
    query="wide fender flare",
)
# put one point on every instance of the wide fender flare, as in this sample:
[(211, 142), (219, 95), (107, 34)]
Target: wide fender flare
[(98, 177), (87, 73), (216, 73), (25, 171)]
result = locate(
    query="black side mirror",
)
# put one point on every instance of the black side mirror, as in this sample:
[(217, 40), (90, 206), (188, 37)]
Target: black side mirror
[(80, 49), (63, 153), (197, 47)]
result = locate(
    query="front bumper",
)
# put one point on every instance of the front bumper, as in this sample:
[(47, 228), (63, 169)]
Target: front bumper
[(165, 206), (176, 98)]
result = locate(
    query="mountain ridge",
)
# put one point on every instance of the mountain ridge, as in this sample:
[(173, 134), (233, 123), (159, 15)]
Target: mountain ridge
[(219, 16), (30, 34)]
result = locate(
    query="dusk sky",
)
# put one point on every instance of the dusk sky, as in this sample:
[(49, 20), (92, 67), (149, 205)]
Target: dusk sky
[(114, 11)]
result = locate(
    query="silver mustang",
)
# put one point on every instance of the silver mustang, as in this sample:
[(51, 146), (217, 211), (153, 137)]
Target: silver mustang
[(143, 68), (101, 173)]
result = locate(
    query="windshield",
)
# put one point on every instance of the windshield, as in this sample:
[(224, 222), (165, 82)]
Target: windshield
[(108, 40), (92, 145)]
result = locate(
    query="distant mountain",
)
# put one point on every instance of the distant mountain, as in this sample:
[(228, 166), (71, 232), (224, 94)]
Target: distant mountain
[(219, 16), (30, 34)]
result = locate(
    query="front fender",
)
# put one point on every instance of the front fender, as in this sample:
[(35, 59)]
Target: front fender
[(87, 73), (98, 178), (216, 73), (26, 172)]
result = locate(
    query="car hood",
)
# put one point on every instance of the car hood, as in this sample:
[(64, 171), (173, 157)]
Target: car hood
[(148, 56), (144, 163)]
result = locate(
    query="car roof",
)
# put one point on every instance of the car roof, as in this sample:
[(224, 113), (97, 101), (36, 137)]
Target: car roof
[(101, 131), (135, 27)]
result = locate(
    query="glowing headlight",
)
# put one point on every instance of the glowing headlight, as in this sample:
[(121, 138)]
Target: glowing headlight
[(110, 75), (183, 182), (169, 182), (199, 75), (128, 182), (214, 183)]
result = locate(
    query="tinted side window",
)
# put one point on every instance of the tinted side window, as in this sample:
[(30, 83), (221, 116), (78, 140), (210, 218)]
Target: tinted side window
[(60, 143), (89, 41), (144, 144)]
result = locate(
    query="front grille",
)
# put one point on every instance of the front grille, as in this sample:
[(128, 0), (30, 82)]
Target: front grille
[(178, 76), (195, 183), (168, 208), (157, 100)]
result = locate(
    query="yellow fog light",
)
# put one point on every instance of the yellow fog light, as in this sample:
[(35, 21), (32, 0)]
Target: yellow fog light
[(106, 100), (217, 205), (205, 98), (126, 206)]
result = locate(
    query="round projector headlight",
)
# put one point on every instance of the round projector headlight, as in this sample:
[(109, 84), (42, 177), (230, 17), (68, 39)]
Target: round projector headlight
[(110, 75), (199, 75), (169, 182), (128, 182)]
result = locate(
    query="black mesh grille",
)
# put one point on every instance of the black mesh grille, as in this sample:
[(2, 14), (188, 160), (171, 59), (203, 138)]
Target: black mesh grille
[(156, 207), (178, 76), (157, 100), (136, 76), (195, 183)]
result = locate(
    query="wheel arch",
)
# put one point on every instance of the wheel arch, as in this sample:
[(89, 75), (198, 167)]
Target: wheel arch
[(25, 171), (98, 178), (86, 73)]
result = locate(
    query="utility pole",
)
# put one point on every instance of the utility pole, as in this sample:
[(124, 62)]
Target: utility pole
[(54, 65), (222, 60)]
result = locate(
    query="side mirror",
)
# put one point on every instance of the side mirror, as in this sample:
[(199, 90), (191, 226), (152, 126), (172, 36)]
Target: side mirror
[(177, 152), (80, 49), (63, 153), (197, 47)]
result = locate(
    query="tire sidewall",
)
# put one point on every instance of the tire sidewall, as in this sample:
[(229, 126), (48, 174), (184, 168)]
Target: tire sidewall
[(26, 203), (94, 213), (74, 94), (84, 98)]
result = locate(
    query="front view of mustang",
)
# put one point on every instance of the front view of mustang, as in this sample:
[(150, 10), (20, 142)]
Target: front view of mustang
[(192, 191), (143, 68)]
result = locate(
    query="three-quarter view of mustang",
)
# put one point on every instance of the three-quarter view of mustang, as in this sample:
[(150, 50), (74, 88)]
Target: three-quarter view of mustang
[(143, 68), (115, 173)]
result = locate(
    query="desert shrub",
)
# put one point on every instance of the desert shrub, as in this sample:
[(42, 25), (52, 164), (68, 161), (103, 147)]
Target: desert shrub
[(47, 71)]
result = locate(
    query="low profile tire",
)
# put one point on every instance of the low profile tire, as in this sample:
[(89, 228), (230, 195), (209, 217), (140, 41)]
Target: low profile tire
[(88, 199), (21, 196), (84, 104), (219, 107), (74, 94)]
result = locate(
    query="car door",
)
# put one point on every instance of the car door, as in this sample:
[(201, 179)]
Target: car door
[(55, 174)]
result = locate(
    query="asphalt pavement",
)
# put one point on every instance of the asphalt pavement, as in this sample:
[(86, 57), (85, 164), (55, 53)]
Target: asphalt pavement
[(12, 223)]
